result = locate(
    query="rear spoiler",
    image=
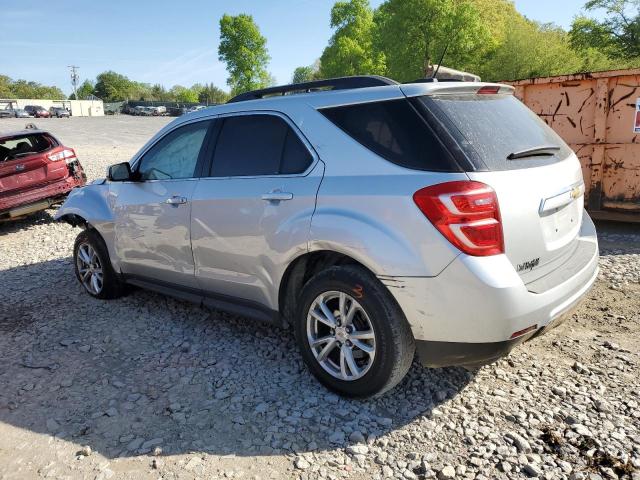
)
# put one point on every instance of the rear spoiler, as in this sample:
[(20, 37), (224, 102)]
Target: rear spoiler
[(455, 88)]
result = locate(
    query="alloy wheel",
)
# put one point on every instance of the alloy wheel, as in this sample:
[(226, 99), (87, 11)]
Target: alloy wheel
[(341, 335), (89, 269)]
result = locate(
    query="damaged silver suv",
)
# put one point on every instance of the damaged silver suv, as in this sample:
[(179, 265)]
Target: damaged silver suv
[(379, 220)]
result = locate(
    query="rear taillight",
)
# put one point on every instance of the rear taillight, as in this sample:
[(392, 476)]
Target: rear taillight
[(466, 213), (67, 154)]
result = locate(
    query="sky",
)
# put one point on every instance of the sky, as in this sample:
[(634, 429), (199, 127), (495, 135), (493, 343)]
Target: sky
[(170, 42)]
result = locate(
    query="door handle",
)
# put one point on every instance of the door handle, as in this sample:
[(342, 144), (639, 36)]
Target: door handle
[(176, 200), (277, 196)]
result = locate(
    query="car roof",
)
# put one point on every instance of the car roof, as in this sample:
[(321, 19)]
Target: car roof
[(332, 98), (25, 131)]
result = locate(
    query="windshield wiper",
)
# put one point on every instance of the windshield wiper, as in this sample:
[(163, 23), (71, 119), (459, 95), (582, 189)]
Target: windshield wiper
[(534, 152)]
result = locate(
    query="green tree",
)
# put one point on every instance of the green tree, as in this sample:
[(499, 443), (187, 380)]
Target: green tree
[(141, 91), (5, 87), (159, 93), (244, 50), (530, 50), (183, 94), (28, 89), (84, 90), (412, 34), (211, 94), (303, 74), (113, 87), (617, 35), (350, 50)]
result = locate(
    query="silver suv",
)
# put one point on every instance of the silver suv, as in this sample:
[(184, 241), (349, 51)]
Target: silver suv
[(379, 220)]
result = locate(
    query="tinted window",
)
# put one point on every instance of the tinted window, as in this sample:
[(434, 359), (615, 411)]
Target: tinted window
[(251, 145), (175, 155), (395, 131), (490, 127), (295, 157)]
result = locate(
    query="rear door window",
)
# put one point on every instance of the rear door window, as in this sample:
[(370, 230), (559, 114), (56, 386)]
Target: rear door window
[(394, 130), (255, 145), (489, 128)]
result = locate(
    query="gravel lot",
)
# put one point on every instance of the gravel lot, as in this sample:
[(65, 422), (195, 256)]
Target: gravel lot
[(150, 387)]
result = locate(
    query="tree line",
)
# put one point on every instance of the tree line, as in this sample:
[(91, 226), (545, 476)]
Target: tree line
[(112, 87), (401, 39), (24, 89)]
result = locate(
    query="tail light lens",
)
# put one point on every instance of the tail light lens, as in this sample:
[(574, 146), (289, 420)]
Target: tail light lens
[(466, 213), (67, 154)]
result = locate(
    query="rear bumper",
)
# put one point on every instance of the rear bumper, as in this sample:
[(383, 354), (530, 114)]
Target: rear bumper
[(467, 354), (39, 198), (469, 313)]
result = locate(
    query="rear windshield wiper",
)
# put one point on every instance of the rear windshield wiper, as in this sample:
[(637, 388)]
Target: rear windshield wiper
[(534, 152)]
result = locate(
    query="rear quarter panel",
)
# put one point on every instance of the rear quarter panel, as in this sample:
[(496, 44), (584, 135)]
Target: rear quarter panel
[(365, 207)]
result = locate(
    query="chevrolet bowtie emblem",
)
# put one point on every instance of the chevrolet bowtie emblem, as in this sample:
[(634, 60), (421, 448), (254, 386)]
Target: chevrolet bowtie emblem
[(575, 192)]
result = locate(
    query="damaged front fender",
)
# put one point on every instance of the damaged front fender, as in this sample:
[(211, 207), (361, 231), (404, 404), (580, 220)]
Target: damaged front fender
[(91, 207)]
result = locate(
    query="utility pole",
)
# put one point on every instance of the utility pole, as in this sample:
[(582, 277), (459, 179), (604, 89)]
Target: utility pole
[(74, 79)]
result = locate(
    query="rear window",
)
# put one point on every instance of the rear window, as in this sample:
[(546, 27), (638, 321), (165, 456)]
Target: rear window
[(394, 130), (489, 128), (23, 145)]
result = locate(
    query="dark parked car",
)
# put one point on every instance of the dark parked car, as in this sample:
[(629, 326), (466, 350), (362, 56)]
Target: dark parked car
[(37, 111), (59, 112), (176, 111), (36, 171)]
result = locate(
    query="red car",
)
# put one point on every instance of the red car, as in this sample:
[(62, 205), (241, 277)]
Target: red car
[(37, 111), (36, 171)]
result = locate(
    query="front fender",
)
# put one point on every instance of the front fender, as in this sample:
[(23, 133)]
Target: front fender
[(91, 205)]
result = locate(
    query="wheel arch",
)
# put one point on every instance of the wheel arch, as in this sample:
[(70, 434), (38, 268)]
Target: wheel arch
[(301, 269), (89, 207)]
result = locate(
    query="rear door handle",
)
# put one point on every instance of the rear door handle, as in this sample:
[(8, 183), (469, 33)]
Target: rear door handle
[(277, 196), (176, 200)]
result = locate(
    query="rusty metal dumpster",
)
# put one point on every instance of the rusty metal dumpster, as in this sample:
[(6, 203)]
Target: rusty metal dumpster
[(598, 114)]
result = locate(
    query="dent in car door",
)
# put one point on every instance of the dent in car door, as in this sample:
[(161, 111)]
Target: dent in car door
[(152, 236), (152, 216)]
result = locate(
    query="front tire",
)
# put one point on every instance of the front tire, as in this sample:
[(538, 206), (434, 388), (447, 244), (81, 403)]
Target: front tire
[(93, 266), (352, 334)]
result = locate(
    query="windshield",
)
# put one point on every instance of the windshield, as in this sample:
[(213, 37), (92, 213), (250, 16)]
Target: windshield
[(492, 128)]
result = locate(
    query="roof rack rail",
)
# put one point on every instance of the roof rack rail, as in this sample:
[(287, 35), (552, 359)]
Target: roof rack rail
[(341, 83)]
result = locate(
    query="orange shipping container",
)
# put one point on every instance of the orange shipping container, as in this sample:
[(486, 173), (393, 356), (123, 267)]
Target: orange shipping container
[(598, 114)]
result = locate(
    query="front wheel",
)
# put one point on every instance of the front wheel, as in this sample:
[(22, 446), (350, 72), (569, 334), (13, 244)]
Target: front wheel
[(352, 334), (93, 266)]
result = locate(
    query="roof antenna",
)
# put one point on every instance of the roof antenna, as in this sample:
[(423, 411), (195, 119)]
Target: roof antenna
[(444, 52)]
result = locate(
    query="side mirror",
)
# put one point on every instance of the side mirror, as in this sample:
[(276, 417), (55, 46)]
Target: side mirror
[(120, 172)]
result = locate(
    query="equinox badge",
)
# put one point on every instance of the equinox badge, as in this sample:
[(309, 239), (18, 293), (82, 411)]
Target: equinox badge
[(528, 265)]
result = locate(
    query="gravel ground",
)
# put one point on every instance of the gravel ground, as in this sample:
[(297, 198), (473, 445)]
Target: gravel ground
[(150, 387)]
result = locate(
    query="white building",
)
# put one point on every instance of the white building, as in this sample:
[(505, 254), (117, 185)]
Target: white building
[(78, 108)]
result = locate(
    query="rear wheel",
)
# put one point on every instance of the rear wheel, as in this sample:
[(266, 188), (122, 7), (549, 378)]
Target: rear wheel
[(93, 266), (352, 334)]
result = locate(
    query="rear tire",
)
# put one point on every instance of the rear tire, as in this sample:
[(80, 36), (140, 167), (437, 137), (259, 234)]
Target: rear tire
[(93, 266), (370, 348)]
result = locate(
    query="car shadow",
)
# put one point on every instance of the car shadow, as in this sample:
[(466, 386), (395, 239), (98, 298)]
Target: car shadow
[(145, 371), (618, 238), (43, 217)]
